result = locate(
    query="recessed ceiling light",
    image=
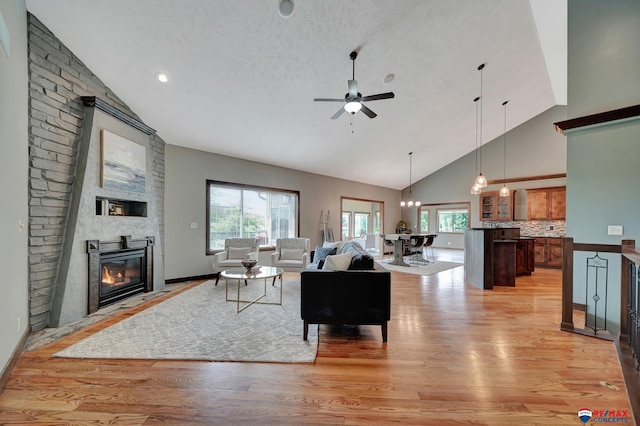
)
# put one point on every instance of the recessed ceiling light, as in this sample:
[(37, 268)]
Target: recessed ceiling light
[(285, 8), (388, 79), (162, 77)]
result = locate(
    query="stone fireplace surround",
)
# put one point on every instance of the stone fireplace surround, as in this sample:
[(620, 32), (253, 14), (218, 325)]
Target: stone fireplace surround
[(90, 230)]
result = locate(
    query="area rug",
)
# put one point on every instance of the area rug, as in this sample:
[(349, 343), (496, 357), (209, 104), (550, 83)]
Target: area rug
[(199, 324), (428, 269)]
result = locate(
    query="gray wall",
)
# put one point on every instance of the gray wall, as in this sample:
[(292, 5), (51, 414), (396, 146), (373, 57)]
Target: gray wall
[(603, 173), (533, 149), (185, 202), (14, 163)]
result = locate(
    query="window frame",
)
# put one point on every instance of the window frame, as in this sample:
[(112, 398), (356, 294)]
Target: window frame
[(241, 187), (427, 211), (467, 210)]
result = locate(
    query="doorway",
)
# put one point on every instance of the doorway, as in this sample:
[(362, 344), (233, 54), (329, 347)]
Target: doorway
[(362, 221)]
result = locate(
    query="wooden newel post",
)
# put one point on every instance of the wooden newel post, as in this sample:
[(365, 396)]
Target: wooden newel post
[(567, 284), (625, 264)]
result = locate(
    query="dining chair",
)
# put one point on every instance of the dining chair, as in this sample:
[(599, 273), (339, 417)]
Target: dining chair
[(428, 244), (416, 252)]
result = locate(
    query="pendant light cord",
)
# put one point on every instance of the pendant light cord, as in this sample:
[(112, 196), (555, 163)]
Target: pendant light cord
[(410, 154), (475, 101), (504, 152), (481, 67)]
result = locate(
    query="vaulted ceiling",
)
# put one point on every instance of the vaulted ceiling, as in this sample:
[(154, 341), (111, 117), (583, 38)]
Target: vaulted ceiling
[(242, 78)]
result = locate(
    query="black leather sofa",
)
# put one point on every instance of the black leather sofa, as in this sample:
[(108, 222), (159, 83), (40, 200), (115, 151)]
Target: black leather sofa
[(354, 297)]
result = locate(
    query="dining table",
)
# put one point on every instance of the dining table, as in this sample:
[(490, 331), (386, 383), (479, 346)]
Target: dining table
[(399, 241)]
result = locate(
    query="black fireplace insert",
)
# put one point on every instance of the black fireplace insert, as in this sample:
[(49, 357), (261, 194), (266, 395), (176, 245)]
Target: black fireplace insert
[(118, 270)]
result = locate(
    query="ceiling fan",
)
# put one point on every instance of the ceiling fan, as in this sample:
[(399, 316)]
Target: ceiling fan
[(354, 99)]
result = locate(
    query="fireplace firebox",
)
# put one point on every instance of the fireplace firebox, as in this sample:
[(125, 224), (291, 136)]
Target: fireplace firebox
[(118, 270)]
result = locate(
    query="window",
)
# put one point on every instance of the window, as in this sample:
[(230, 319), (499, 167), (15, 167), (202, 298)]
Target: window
[(453, 220), (240, 211), (360, 224), (424, 220), (346, 225)]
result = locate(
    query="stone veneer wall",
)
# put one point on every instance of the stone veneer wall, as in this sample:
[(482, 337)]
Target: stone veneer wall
[(57, 80)]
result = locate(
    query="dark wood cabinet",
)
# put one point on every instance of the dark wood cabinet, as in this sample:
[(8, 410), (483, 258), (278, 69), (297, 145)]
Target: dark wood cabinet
[(525, 256), (547, 203), (504, 262), (493, 207), (548, 252)]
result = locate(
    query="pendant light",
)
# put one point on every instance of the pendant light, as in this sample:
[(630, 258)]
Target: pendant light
[(481, 181), (410, 202), (475, 188), (504, 191)]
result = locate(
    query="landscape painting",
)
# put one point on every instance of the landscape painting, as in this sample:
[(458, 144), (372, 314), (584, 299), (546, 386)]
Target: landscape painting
[(123, 163)]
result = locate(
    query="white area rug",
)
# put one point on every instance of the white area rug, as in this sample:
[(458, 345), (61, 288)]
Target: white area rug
[(428, 269), (199, 324)]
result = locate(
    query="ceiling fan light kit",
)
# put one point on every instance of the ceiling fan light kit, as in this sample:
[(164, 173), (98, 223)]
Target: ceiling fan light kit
[(352, 107), (354, 99)]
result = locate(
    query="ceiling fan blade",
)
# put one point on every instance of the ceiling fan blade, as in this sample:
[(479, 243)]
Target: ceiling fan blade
[(328, 100), (337, 114), (353, 88), (368, 112), (379, 96)]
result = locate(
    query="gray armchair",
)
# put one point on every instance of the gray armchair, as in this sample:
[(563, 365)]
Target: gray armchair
[(292, 254), (235, 251)]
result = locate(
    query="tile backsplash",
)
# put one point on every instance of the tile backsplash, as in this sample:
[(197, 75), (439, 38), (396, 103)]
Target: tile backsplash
[(533, 228)]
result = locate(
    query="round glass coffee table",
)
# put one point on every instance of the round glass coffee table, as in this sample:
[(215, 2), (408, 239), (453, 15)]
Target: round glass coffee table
[(256, 273)]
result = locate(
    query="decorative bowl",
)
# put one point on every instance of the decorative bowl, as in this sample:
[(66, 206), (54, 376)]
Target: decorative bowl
[(249, 263)]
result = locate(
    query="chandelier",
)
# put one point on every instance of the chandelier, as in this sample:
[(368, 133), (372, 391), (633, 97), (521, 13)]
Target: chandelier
[(410, 202)]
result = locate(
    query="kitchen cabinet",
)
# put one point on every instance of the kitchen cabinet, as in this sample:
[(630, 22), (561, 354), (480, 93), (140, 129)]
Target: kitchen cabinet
[(493, 207), (548, 252), (547, 203), (504, 262), (525, 256)]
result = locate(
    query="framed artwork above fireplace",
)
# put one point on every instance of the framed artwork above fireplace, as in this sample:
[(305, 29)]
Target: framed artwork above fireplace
[(123, 163)]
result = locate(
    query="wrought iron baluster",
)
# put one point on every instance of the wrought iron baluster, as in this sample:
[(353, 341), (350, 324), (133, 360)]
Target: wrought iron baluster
[(596, 264)]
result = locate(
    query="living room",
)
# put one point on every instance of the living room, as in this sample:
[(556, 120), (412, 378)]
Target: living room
[(591, 205)]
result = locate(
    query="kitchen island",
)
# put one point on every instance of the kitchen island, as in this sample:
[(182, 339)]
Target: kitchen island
[(495, 256)]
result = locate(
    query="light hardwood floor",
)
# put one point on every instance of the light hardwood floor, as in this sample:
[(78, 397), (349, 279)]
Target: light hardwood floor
[(455, 355)]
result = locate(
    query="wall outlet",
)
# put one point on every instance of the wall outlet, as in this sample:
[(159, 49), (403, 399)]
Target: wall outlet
[(194, 225), (18, 325), (614, 229)]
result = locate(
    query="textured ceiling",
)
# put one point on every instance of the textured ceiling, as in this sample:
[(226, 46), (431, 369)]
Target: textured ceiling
[(242, 79)]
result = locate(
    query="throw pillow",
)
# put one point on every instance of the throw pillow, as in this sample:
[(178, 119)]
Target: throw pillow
[(291, 254), (322, 252), (332, 244), (238, 252), (338, 262)]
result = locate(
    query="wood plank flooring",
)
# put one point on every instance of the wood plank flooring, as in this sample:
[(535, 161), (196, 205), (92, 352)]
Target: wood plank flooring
[(455, 355)]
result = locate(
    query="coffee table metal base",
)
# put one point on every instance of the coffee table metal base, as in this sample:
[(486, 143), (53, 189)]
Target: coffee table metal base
[(241, 275)]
